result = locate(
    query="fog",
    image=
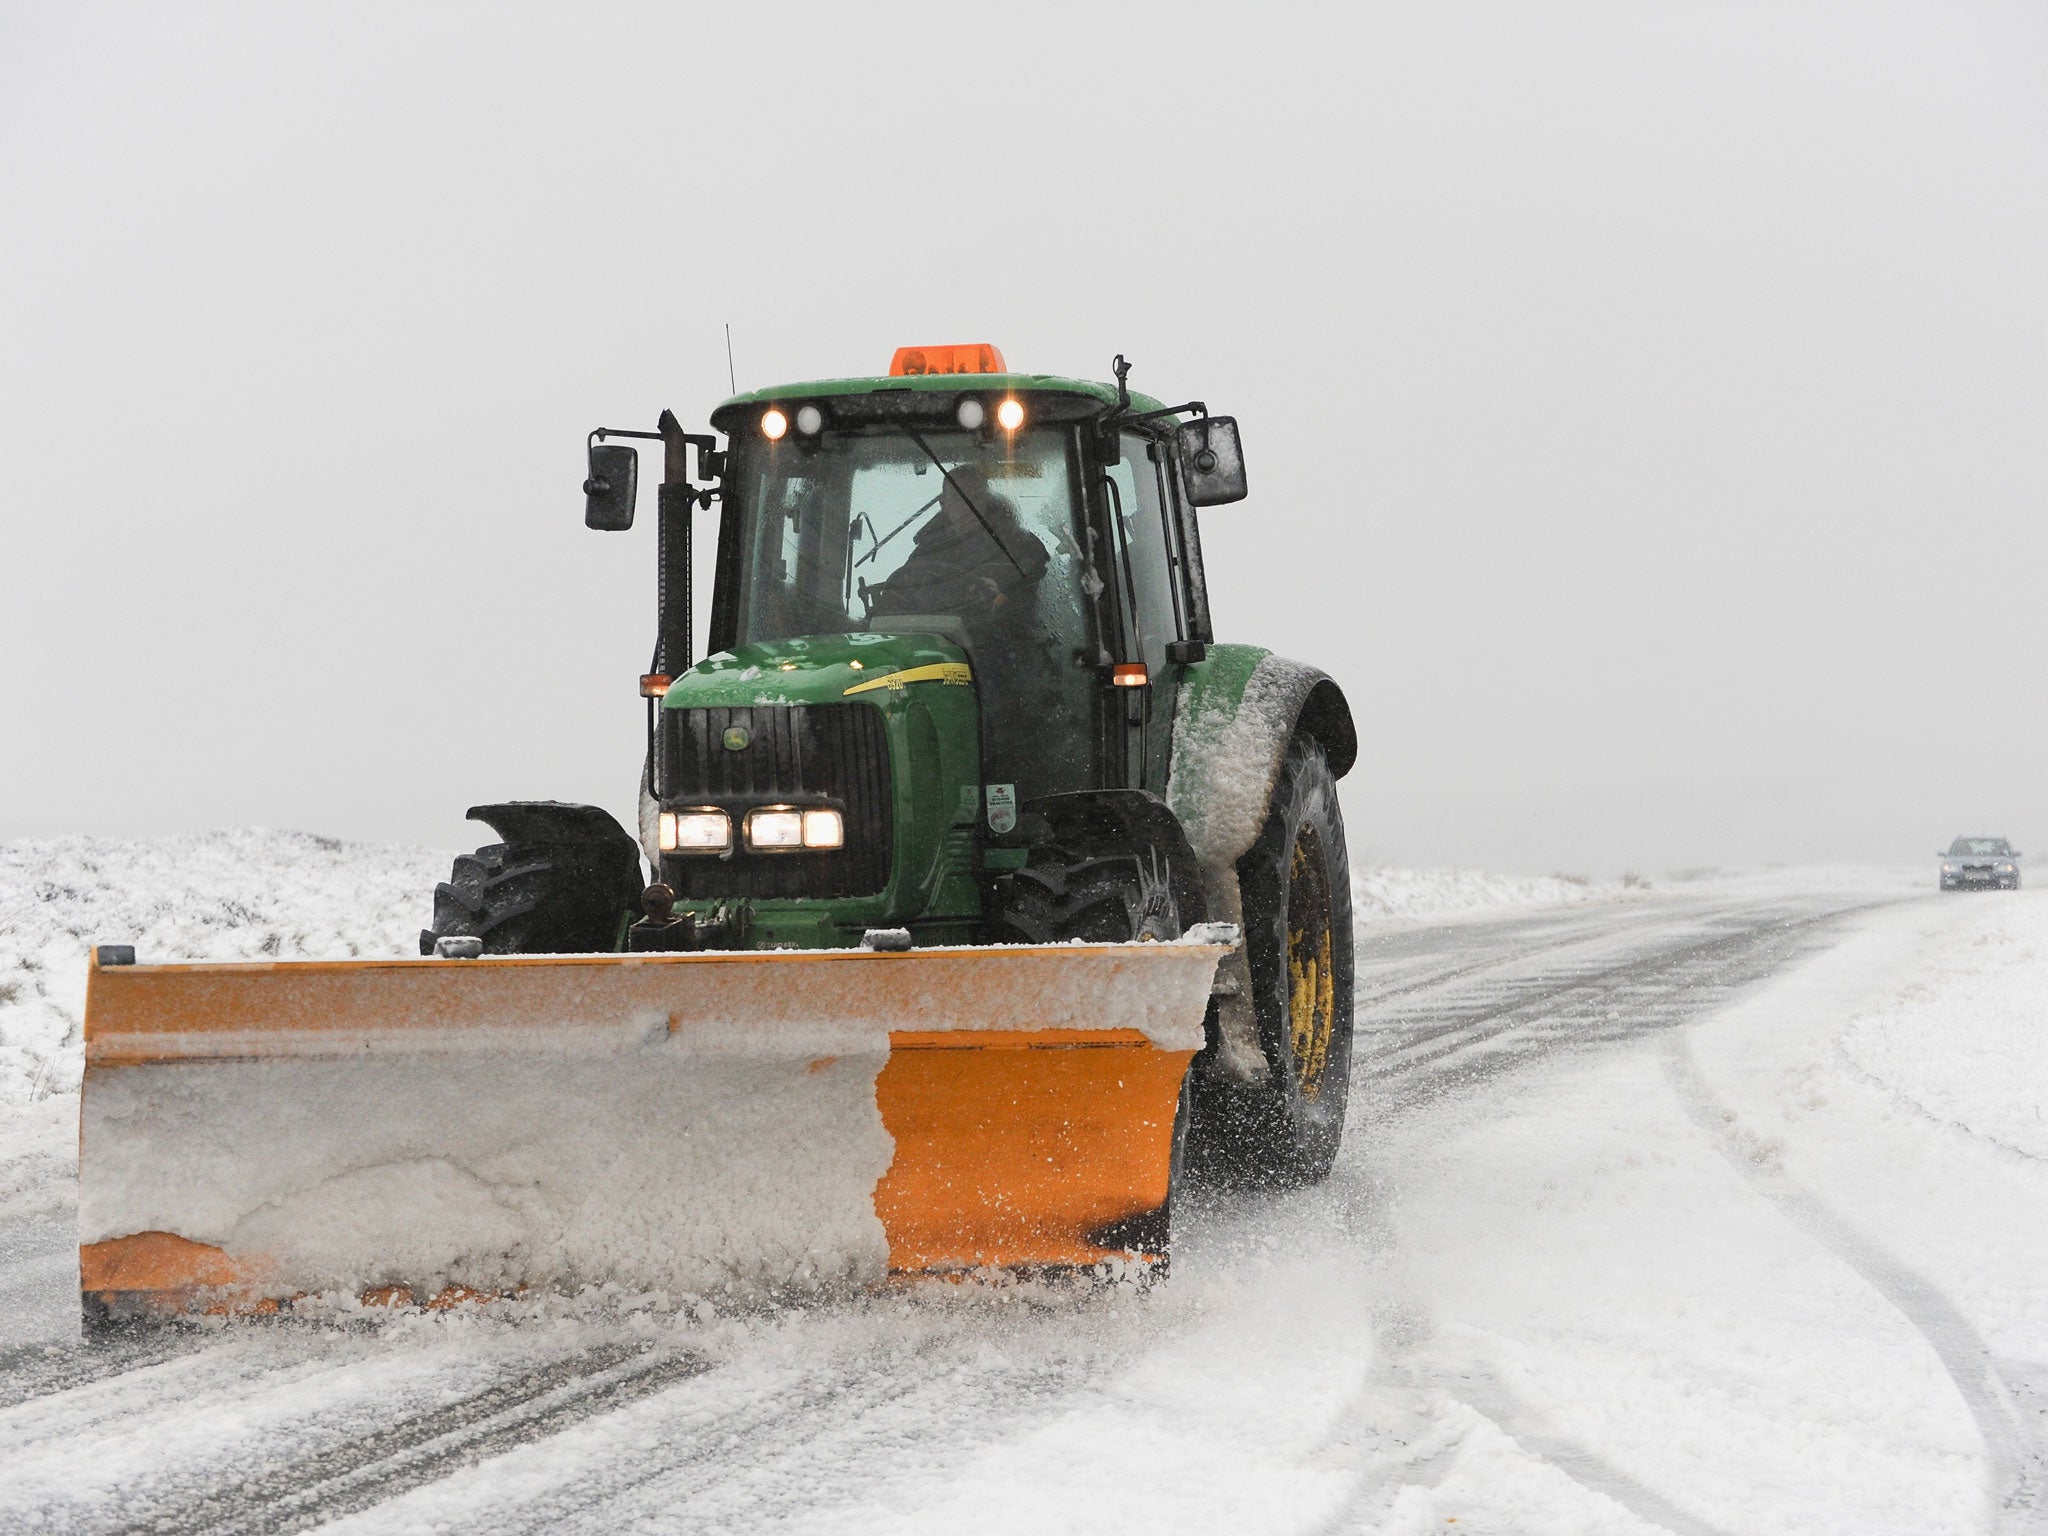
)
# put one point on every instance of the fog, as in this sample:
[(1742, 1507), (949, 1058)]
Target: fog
[(1644, 405)]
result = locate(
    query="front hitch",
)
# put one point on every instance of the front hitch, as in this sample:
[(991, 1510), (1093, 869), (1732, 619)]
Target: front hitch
[(666, 931)]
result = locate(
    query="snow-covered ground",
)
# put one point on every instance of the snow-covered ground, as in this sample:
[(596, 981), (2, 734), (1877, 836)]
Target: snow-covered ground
[(1890, 1104), (1621, 1240), (1784, 1270)]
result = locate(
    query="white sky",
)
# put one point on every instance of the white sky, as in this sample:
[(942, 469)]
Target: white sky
[(1644, 404)]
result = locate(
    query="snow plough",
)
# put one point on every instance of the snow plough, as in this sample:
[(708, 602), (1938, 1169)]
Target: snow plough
[(976, 891)]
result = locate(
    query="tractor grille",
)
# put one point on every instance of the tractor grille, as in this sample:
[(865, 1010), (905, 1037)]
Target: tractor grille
[(796, 754)]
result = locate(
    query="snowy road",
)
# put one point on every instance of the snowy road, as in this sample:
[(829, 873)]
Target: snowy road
[(1572, 1274)]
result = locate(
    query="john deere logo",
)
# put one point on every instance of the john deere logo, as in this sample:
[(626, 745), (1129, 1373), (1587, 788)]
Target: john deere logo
[(737, 737)]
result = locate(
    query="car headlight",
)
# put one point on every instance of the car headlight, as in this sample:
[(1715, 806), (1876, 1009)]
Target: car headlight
[(1948, 869), (695, 831), (2005, 869)]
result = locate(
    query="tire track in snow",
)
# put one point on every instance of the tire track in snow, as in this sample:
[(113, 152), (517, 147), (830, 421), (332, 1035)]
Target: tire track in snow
[(423, 1447), (1412, 1049), (1404, 1446), (769, 1430), (1370, 993), (36, 1371), (769, 1464), (1613, 980), (2016, 1452), (1616, 998), (1486, 1394), (1660, 985), (201, 1371), (1401, 1413), (84, 1394)]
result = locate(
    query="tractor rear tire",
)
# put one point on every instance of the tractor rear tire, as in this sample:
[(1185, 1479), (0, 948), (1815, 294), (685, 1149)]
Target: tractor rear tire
[(1296, 888), (1061, 896), (565, 881)]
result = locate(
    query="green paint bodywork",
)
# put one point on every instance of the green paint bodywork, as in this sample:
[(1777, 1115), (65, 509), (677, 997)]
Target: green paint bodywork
[(933, 731), (1216, 684)]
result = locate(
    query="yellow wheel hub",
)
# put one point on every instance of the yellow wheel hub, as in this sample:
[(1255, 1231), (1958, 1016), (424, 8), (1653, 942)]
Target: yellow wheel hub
[(1311, 979)]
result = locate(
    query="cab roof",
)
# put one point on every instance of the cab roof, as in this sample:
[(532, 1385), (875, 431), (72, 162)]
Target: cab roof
[(930, 384)]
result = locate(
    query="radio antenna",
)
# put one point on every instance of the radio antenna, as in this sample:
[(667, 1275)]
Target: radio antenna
[(731, 377)]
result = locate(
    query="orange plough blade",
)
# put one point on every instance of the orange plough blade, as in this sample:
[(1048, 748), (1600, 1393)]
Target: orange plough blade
[(744, 1121)]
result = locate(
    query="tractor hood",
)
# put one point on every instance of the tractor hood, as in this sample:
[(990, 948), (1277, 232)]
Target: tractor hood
[(816, 669)]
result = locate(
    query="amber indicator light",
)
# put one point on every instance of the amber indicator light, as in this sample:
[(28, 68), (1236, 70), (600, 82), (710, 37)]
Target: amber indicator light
[(961, 357)]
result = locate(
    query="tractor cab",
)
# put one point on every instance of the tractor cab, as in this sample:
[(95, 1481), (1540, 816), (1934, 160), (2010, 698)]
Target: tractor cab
[(1041, 526)]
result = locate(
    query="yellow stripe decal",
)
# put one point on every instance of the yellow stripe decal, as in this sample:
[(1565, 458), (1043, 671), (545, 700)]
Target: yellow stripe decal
[(954, 672)]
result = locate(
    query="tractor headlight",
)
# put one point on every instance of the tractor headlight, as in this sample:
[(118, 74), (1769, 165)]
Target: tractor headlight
[(776, 828), (695, 831), (824, 829)]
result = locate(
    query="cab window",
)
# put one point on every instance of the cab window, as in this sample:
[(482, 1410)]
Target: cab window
[(1150, 595)]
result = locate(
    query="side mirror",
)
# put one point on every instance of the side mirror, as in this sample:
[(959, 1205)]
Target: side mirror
[(1212, 460), (609, 493)]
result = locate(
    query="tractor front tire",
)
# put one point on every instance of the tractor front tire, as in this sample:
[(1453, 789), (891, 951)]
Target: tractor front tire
[(1061, 896), (566, 880), (1296, 889)]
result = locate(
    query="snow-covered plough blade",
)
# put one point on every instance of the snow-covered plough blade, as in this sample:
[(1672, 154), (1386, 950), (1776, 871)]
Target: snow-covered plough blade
[(688, 1123)]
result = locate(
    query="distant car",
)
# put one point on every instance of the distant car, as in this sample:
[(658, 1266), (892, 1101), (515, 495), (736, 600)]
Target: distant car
[(1980, 864)]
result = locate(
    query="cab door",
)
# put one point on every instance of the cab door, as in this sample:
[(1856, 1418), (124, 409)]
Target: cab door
[(1148, 592)]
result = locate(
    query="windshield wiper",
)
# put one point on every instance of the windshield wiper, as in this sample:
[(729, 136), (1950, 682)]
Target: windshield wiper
[(986, 527), (877, 549)]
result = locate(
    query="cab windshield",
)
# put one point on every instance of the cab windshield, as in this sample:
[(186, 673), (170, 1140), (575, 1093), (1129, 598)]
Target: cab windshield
[(975, 538), (865, 530)]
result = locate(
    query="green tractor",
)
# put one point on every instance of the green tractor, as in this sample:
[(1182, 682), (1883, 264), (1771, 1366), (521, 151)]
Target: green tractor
[(962, 691)]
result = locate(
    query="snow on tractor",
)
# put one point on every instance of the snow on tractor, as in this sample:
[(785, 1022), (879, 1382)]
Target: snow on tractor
[(983, 880)]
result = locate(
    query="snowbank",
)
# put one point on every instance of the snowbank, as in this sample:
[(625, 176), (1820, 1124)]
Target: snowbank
[(249, 894), (1380, 893), (1879, 881)]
